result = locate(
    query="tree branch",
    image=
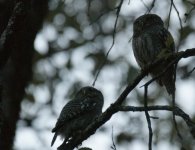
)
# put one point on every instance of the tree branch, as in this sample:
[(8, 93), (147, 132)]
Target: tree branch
[(178, 112), (118, 9), (116, 106), (148, 117)]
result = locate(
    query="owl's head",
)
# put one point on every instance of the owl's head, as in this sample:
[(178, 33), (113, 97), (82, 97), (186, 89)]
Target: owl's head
[(146, 21), (89, 92)]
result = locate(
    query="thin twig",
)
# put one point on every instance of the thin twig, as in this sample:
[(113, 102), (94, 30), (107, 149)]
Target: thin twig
[(103, 13), (174, 119), (152, 6), (113, 144), (187, 14), (188, 74), (190, 11), (173, 104), (178, 112), (113, 42), (180, 22), (174, 61), (145, 5), (148, 117), (169, 16)]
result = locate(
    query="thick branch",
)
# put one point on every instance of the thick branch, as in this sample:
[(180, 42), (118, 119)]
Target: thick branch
[(117, 104)]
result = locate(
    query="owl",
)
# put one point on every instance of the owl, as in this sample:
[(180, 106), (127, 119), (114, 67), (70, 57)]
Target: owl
[(151, 40), (78, 113)]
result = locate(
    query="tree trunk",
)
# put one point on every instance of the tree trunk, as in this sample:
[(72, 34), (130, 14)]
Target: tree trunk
[(19, 24)]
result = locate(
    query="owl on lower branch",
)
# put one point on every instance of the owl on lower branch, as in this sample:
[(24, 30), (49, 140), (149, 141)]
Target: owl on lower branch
[(78, 113)]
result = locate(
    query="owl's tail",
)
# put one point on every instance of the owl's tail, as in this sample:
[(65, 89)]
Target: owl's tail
[(168, 80), (54, 138)]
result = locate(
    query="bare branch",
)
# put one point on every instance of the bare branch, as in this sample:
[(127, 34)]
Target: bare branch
[(188, 73), (180, 22), (190, 11), (113, 144), (116, 106), (152, 6), (178, 112), (113, 41), (148, 117), (149, 8), (170, 14), (175, 58)]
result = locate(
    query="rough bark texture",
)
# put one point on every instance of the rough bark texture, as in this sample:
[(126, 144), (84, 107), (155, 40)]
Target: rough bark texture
[(16, 67)]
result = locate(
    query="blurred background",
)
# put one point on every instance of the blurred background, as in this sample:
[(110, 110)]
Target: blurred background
[(72, 46)]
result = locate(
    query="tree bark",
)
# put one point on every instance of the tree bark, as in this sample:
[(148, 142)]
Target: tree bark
[(19, 23)]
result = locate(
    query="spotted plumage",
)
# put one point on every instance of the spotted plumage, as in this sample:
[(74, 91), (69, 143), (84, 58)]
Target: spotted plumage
[(78, 113), (150, 42)]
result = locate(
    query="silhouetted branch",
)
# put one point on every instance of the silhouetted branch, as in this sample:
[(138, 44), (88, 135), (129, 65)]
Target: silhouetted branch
[(174, 60), (180, 22), (118, 9), (178, 112), (190, 11), (169, 16), (148, 117), (113, 144), (116, 106), (151, 6), (188, 73)]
